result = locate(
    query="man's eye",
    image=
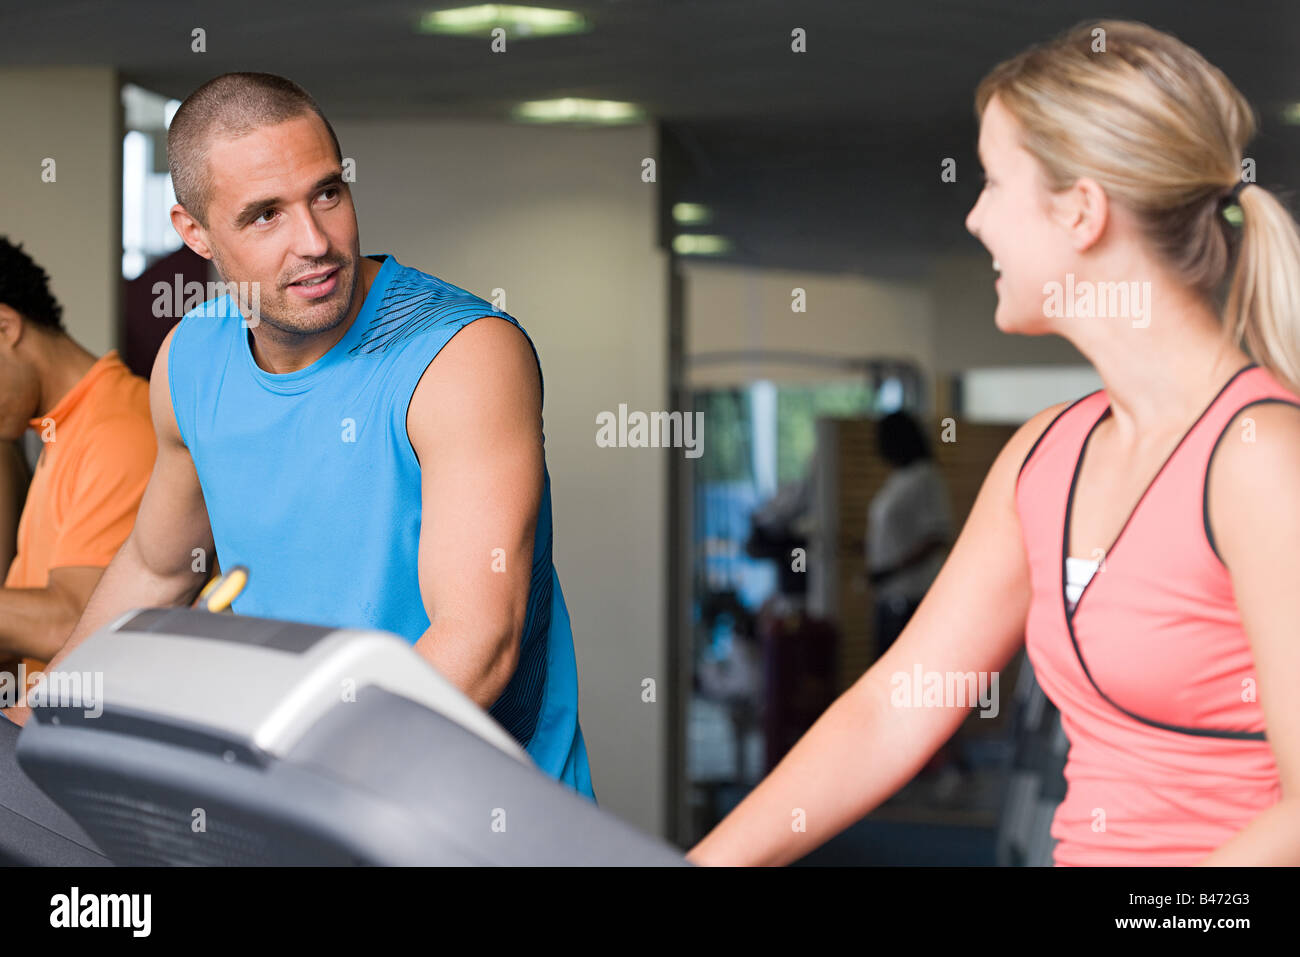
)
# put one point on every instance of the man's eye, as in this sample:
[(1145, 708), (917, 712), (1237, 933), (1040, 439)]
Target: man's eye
[(330, 194), (268, 212)]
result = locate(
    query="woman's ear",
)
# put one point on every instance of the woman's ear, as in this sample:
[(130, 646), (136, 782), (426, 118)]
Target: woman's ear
[(1083, 211)]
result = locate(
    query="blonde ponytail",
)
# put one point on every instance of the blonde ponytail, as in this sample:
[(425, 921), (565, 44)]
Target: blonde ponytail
[(1263, 304)]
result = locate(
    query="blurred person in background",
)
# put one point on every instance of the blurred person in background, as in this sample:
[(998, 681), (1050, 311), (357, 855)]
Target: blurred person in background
[(909, 527), (909, 531)]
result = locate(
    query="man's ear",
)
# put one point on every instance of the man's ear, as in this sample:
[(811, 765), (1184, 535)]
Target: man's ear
[(191, 231), (1083, 209), (11, 325)]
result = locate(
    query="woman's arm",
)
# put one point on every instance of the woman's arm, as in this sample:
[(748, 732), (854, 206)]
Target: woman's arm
[(1254, 513), (864, 748)]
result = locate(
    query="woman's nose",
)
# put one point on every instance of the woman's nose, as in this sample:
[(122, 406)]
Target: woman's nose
[(972, 219)]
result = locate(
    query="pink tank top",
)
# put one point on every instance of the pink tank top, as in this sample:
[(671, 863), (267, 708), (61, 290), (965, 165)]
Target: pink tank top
[(1152, 673)]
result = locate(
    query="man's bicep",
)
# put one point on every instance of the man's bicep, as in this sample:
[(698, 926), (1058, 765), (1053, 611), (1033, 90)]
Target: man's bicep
[(475, 423), (476, 536)]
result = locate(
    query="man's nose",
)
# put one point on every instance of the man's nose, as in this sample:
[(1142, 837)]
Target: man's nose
[(311, 241)]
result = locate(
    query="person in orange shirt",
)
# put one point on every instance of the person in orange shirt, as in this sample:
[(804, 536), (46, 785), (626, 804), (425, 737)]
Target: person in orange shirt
[(97, 453), (14, 478)]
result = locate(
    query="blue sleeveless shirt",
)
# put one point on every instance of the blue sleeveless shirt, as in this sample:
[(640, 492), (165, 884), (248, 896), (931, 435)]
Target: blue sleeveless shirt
[(310, 480)]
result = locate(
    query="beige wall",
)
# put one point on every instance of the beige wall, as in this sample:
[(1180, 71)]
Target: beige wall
[(943, 322), (732, 307), (963, 301), (72, 226), (560, 220)]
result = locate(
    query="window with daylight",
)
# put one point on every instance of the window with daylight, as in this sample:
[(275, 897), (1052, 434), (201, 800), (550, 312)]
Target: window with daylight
[(147, 233)]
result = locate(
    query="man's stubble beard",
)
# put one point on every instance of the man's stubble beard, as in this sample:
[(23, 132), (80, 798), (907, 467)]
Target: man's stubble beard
[(274, 309)]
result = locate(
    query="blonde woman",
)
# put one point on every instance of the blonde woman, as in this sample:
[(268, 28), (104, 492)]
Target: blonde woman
[(1144, 540)]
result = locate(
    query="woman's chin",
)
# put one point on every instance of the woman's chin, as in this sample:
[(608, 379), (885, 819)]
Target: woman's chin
[(1016, 323)]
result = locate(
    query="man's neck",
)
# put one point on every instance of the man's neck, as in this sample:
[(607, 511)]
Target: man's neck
[(281, 352), (61, 363)]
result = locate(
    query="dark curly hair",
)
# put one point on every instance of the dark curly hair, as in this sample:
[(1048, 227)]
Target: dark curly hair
[(25, 288)]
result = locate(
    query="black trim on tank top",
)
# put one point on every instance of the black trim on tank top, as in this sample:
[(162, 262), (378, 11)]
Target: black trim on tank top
[(1034, 448), (1205, 486), (1065, 553)]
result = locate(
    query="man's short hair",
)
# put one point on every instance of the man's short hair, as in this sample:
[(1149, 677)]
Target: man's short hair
[(25, 288), (233, 104)]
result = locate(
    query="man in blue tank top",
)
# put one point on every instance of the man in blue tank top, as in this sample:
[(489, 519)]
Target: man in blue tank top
[(366, 438)]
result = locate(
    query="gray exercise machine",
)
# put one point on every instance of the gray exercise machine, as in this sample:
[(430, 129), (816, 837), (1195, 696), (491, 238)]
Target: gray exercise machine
[(231, 740)]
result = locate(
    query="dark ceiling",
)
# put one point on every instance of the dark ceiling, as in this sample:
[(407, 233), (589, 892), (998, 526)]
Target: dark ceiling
[(822, 160)]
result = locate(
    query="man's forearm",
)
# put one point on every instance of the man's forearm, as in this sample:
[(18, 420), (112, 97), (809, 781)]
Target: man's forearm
[(129, 583), (34, 622), (126, 583), (481, 669)]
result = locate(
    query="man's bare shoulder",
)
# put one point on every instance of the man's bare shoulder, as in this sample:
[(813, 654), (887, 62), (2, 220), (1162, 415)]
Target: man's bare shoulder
[(485, 378), (489, 353)]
